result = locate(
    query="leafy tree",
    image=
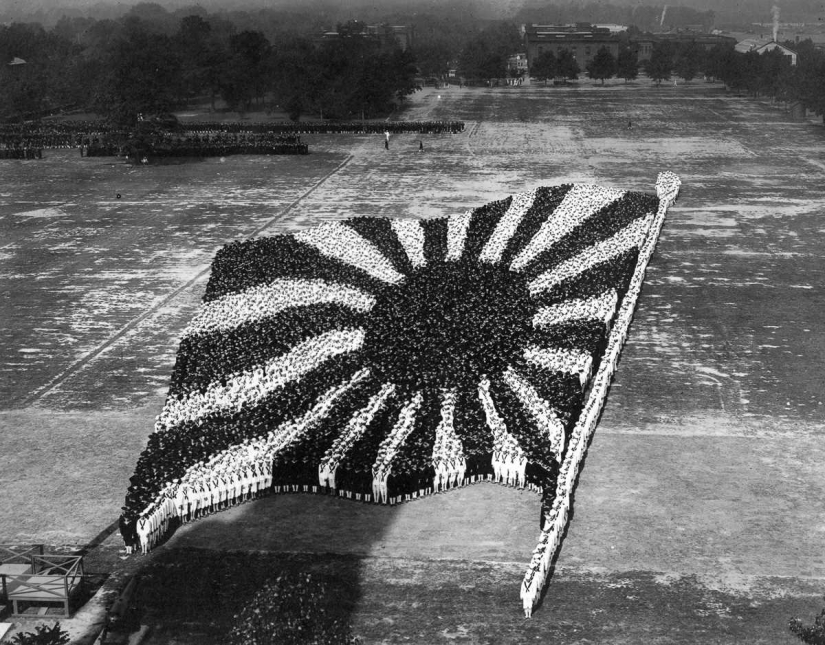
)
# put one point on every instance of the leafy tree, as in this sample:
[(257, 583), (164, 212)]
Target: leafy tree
[(660, 64), (715, 62), (43, 635), (155, 18), (296, 74), (479, 60), (751, 65), (627, 64), (544, 66), (245, 72), (566, 65), (201, 54), (485, 56), (807, 80), (602, 66), (813, 634), (689, 61), (141, 75), (776, 74)]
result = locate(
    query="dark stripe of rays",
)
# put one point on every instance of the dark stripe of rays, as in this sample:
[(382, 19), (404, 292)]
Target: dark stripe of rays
[(482, 225), (378, 231), (613, 274), (542, 467), (206, 358), (354, 472), (603, 224), (298, 464), (585, 335), (241, 265), (470, 425), (435, 239), (412, 467), (561, 390), (170, 453), (545, 204)]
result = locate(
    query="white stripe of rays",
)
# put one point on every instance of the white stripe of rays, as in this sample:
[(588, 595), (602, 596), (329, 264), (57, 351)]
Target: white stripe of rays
[(629, 237), (355, 429), (411, 235), (509, 460), (389, 447), (599, 308), (448, 452), (506, 227), (457, 226), (262, 301), (539, 410), (342, 243), (261, 451), (555, 359), (247, 388), (580, 202)]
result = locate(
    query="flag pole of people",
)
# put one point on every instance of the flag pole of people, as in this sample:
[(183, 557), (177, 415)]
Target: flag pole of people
[(383, 360)]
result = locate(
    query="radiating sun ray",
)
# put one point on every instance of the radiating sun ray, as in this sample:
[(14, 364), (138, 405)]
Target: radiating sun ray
[(632, 236), (411, 235), (357, 425), (568, 361), (457, 227), (262, 301), (540, 411), (251, 386), (506, 227), (509, 460), (448, 452), (580, 203), (601, 308), (265, 448), (341, 242), (389, 447)]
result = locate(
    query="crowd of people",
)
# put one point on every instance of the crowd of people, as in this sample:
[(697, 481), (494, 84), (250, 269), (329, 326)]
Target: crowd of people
[(22, 150), (601, 307), (96, 138), (554, 519), (221, 144), (331, 127), (54, 135), (366, 435)]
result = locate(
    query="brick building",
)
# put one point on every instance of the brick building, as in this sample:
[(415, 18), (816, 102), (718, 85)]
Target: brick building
[(582, 40)]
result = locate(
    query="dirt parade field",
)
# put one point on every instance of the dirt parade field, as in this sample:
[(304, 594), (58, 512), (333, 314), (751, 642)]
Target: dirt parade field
[(700, 512)]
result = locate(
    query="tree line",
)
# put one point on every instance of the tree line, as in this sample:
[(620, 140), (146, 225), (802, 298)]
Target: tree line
[(126, 68), (151, 60), (768, 74)]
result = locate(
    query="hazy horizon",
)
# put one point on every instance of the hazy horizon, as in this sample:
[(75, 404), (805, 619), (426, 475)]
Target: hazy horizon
[(49, 12)]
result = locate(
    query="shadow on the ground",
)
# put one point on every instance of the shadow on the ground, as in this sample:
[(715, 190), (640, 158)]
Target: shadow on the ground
[(194, 587)]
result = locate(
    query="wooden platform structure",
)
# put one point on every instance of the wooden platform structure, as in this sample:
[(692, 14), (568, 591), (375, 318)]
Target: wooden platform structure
[(14, 560), (46, 579)]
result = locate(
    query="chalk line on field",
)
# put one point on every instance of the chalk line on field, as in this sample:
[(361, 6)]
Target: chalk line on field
[(120, 333)]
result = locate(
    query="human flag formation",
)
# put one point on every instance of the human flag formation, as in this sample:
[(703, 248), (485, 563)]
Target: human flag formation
[(382, 360)]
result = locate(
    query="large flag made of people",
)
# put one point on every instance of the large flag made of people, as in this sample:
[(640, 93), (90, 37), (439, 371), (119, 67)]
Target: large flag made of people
[(382, 360)]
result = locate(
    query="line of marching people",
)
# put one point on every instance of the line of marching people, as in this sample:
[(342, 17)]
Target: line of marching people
[(204, 490), (199, 493)]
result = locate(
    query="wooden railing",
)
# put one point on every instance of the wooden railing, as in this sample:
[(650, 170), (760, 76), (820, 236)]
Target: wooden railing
[(53, 579), (14, 554)]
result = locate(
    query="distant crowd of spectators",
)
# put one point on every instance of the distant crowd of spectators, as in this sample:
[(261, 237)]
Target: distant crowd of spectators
[(192, 139)]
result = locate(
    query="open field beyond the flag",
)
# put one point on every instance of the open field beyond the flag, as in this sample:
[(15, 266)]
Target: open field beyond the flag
[(701, 506)]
